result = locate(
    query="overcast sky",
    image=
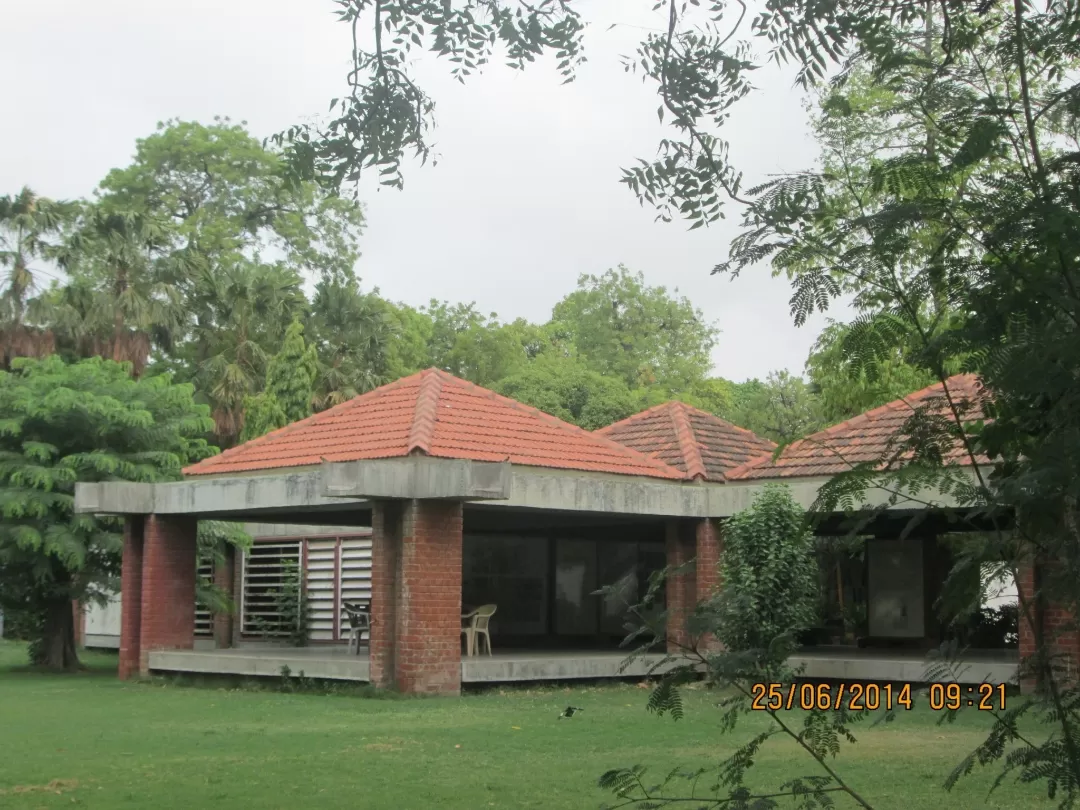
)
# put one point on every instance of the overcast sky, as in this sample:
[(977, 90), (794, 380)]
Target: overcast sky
[(525, 196)]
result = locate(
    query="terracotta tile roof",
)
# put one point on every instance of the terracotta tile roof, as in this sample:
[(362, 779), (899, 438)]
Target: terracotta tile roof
[(696, 442), (435, 414), (867, 437)]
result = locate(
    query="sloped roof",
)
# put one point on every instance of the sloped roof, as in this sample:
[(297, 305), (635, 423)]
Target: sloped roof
[(435, 414), (696, 442), (866, 437)]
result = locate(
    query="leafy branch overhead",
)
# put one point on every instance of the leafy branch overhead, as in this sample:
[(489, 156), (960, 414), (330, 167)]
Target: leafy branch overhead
[(385, 115)]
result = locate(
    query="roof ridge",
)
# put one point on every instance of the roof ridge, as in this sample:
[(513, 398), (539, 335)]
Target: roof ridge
[(341, 407), (671, 403), (554, 420), (908, 401), (688, 445), (726, 422), (426, 413), (634, 416)]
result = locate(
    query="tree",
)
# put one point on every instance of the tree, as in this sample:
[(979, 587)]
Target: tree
[(239, 313), (472, 346), (63, 423), (353, 333), (643, 335), (129, 299), (567, 389), (230, 199), (769, 573), (26, 224), (289, 389), (782, 409), (845, 388)]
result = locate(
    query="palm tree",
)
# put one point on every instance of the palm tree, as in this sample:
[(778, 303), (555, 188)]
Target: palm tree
[(350, 332), (26, 221), (241, 313), (125, 295)]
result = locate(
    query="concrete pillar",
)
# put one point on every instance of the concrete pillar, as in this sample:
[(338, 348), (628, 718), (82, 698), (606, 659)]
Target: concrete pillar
[(1052, 625), (225, 579), (168, 586), (416, 596), (131, 572), (681, 587)]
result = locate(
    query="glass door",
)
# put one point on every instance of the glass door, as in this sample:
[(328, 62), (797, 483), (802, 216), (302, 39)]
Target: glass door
[(575, 580)]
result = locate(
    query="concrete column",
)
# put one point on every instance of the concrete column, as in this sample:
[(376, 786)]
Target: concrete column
[(681, 587), (416, 596), (168, 585), (225, 579), (131, 573)]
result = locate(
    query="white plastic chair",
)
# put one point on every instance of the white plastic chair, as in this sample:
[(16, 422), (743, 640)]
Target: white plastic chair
[(479, 621)]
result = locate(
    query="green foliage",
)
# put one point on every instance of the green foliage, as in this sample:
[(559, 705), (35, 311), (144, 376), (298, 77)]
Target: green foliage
[(619, 327), (770, 577), (289, 389), (783, 408), (564, 388), (88, 421), (846, 388)]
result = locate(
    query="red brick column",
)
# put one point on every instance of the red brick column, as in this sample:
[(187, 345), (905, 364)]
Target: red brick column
[(709, 541), (1058, 630), (416, 596), (168, 586), (131, 573), (386, 519), (680, 588), (225, 578)]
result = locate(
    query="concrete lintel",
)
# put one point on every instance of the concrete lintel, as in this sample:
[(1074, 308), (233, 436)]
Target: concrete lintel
[(114, 498), (733, 497), (534, 488), (249, 495), (417, 477)]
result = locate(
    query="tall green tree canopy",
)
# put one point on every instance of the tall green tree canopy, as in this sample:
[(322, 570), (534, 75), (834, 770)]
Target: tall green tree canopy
[(645, 336), (63, 423), (565, 388), (290, 387)]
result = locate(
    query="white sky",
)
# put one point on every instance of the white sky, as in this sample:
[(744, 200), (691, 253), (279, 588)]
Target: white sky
[(524, 198)]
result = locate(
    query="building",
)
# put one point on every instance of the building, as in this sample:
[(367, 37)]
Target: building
[(467, 497)]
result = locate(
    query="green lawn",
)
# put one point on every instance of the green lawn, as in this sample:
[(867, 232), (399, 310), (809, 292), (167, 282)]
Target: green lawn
[(88, 740)]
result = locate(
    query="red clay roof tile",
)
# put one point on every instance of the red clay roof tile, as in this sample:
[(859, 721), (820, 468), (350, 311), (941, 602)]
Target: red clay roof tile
[(696, 442), (436, 414), (867, 437)]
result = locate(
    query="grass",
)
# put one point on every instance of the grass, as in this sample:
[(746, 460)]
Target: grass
[(88, 740)]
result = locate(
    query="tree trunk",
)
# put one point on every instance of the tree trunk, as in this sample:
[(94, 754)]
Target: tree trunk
[(58, 650)]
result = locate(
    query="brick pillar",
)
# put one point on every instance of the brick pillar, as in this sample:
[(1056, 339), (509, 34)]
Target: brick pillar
[(1052, 623), (131, 573), (708, 541), (168, 580), (416, 596), (386, 520), (680, 588), (225, 579)]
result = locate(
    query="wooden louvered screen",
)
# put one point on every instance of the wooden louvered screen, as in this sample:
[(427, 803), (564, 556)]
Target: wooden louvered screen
[(265, 567), (322, 567), (336, 570), (355, 579)]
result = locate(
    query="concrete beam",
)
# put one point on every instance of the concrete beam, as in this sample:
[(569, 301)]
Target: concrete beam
[(250, 496), (420, 477), (571, 491)]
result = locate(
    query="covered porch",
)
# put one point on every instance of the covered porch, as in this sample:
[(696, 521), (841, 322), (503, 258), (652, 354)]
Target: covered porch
[(472, 498)]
